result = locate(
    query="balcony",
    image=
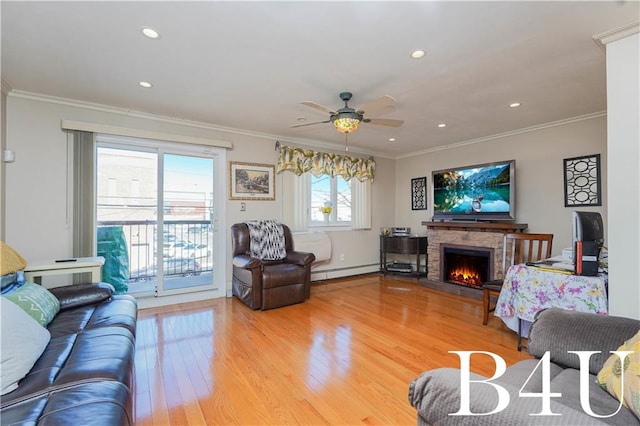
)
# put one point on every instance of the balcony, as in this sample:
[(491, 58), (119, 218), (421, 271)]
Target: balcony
[(186, 247)]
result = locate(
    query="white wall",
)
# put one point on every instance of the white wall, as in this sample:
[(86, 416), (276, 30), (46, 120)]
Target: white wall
[(539, 155), (37, 198), (623, 105)]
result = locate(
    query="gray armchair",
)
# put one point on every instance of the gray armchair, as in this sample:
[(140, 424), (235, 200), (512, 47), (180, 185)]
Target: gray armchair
[(268, 284)]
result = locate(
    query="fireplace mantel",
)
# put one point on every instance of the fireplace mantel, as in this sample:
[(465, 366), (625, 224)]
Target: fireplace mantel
[(472, 234), (504, 227)]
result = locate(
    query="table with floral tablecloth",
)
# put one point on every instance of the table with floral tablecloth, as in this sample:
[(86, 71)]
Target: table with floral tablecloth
[(528, 289)]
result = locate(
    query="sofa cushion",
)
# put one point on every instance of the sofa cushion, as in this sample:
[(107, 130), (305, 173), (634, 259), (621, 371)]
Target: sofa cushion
[(101, 403), (520, 374), (559, 331), (90, 343), (282, 274), (23, 341), (601, 403), (614, 374), (436, 394), (36, 301)]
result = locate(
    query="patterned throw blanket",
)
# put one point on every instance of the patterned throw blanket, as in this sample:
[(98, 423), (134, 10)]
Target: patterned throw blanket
[(267, 240)]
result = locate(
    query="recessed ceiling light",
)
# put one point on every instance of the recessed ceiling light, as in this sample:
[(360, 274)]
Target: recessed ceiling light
[(392, 139), (301, 119), (442, 125), (417, 54), (145, 84), (150, 32), (514, 104)]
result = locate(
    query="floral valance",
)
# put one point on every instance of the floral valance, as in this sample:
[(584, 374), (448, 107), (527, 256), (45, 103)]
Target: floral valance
[(299, 161)]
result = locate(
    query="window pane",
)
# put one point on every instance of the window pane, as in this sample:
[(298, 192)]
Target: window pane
[(343, 200), (320, 194), (334, 192)]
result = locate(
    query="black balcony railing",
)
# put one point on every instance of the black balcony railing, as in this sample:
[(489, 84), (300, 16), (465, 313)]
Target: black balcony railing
[(186, 246)]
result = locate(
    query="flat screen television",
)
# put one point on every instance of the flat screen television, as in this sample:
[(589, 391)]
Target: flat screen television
[(481, 192), (587, 226)]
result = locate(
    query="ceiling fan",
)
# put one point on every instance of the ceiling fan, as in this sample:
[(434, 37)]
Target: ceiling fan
[(347, 119)]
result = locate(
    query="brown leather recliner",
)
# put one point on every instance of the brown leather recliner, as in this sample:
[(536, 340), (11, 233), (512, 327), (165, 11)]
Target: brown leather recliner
[(268, 284)]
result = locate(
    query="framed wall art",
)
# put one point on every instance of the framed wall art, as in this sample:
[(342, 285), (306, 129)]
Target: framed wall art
[(582, 185), (419, 193), (251, 181)]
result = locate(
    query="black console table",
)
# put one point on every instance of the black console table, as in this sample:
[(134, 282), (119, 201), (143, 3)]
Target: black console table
[(403, 245)]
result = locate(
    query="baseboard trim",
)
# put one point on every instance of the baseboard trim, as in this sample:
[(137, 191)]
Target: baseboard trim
[(153, 302), (329, 274)]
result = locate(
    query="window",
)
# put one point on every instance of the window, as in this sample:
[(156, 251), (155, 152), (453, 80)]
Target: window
[(350, 208), (333, 195)]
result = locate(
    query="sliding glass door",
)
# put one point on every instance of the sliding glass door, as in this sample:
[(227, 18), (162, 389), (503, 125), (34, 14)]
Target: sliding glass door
[(156, 224), (186, 226)]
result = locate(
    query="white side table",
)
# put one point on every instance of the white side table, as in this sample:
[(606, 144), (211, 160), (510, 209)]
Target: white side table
[(36, 270)]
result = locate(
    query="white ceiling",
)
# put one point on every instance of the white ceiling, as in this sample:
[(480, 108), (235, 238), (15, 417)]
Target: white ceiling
[(247, 65)]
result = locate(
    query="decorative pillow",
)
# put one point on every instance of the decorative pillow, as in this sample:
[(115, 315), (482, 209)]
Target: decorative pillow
[(23, 341), (267, 240), (36, 301), (9, 282), (10, 260), (613, 373)]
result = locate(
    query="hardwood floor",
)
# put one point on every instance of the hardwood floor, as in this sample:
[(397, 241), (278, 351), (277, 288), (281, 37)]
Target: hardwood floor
[(346, 356)]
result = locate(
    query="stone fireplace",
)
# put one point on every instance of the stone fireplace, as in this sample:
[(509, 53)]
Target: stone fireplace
[(467, 237)]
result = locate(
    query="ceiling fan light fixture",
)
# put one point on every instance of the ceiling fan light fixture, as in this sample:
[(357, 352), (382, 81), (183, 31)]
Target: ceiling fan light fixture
[(346, 124)]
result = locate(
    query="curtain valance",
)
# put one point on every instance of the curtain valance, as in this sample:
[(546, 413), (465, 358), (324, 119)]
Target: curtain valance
[(299, 161)]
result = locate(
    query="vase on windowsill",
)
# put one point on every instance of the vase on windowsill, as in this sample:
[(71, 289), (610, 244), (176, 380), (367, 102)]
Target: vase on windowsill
[(326, 217)]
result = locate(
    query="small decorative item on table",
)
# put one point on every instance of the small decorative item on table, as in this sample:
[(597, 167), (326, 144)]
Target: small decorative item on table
[(326, 210)]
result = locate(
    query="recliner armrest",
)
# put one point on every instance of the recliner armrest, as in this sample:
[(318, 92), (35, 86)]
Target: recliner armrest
[(300, 258), (247, 262), (73, 296)]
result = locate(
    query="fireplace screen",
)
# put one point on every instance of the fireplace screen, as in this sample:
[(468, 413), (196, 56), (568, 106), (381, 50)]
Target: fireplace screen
[(466, 266)]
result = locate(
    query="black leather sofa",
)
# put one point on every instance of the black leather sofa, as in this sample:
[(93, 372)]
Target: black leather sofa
[(86, 373)]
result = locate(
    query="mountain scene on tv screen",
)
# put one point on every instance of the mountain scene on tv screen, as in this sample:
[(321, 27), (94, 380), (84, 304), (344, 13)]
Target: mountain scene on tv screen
[(476, 190)]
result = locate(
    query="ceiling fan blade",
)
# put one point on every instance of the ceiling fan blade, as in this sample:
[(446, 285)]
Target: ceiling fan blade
[(309, 124), (385, 102), (319, 107), (384, 122)]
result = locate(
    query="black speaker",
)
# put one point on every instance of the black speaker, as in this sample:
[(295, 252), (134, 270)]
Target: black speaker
[(586, 262)]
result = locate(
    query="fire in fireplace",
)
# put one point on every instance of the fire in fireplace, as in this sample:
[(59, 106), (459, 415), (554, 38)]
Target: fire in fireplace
[(467, 266)]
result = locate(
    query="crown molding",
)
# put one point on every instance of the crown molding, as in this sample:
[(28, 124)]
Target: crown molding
[(616, 34), (310, 143), (505, 134), (354, 149)]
